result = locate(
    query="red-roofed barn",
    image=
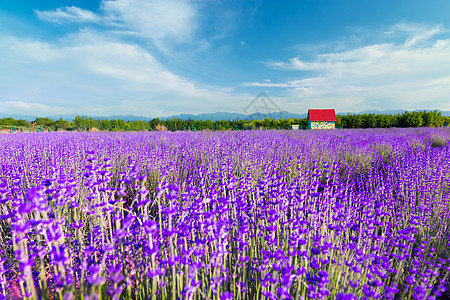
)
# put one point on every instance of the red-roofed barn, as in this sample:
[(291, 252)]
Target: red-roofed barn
[(321, 119)]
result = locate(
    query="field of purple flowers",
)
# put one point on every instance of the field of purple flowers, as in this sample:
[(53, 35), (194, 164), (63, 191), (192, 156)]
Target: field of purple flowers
[(341, 214)]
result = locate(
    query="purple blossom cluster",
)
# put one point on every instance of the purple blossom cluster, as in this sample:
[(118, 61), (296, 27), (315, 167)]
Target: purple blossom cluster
[(342, 214)]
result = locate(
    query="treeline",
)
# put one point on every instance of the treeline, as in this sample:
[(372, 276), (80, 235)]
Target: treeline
[(406, 119), (83, 123)]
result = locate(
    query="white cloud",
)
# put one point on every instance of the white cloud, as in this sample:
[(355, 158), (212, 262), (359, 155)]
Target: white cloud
[(33, 108), (94, 75), (411, 74), (68, 14), (166, 23)]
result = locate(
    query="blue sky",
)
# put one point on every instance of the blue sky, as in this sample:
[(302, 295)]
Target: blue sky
[(159, 58)]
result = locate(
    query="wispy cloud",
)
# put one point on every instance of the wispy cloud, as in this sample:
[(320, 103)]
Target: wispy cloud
[(416, 32), (410, 73), (68, 14)]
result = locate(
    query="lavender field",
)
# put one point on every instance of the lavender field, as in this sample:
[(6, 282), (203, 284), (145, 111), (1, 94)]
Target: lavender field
[(340, 214)]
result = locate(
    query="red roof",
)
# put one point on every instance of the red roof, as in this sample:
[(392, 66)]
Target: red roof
[(322, 115)]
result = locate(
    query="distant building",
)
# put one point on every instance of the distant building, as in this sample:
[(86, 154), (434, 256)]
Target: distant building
[(295, 127), (321, 119)]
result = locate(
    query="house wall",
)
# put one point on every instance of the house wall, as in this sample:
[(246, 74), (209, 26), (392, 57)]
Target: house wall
[(321, 125)]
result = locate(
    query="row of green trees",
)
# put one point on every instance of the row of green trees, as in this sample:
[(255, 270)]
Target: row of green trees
[(83, 123), (407, 119)]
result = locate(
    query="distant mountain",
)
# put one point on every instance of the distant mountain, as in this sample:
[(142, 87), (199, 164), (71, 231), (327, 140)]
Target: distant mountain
[(211, 116), (379, 112), (17, 117), (233, 116), (218, 116), (113, 117), (124, 117), (206, 116), (70, 117)]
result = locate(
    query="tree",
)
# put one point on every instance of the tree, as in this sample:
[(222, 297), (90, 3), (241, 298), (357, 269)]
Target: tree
[(382, 121), (60, 124), (369, 121)]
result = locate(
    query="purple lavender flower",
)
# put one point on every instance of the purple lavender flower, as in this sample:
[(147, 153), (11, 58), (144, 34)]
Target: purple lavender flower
[(226, 296), (342, 296)]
